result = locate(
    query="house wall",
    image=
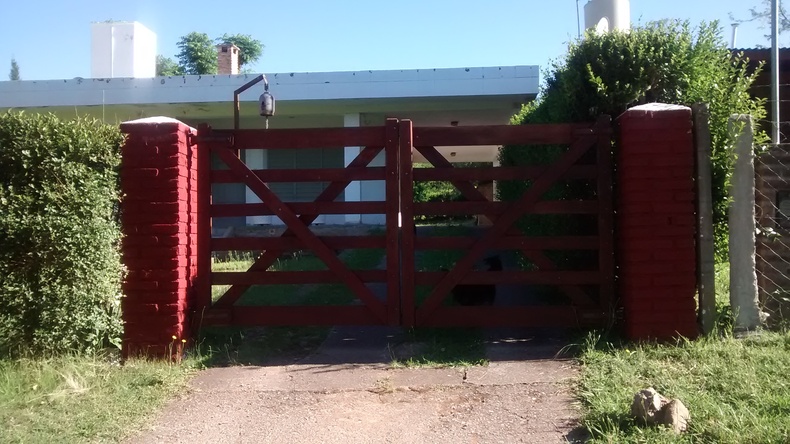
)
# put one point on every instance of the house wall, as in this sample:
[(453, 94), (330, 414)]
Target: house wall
[(262, 159), (373, 190), (772, 195), (761, 88), (432, 97)]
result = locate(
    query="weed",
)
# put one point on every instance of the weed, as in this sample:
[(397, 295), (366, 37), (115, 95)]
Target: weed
[(445, 347), (83, 398)]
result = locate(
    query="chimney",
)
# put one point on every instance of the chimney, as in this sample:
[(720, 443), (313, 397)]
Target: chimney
[(227, 59)]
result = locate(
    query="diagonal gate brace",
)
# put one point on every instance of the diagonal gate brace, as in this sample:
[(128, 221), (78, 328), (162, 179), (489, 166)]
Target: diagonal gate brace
[(299, 228), (505, 221), (576, 294), (265, 260)]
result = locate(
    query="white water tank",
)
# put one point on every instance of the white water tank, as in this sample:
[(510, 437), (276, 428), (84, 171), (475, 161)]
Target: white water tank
[(122, 49), (607, 15)]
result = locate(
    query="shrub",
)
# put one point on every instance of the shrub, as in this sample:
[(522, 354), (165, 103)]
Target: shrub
[(437, 191), (59, 263), (663, 61)]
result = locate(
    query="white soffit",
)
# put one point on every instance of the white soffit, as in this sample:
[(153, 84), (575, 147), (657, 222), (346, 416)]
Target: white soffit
[(516, 81)]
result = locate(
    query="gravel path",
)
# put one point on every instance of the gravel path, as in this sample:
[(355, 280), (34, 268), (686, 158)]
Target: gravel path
[(347, 392), (521, 396)]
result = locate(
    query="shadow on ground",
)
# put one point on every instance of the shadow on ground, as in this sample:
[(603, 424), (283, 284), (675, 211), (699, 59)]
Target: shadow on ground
[(395, 346)]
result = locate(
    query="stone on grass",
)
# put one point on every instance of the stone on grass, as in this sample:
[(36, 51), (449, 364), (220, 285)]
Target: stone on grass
[(647, 405), (652, 408), (676, 416)]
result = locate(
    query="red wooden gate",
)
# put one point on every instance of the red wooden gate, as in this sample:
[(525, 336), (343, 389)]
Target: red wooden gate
[(589, 291), (298, 217)]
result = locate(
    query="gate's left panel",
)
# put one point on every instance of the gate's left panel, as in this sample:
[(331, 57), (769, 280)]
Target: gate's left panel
[(297, 270)]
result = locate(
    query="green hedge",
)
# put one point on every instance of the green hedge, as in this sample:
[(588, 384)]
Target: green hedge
[(436, 191), (59, 261), (608, 73)]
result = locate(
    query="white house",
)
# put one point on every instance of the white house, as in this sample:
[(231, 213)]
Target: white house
[(435, 97)]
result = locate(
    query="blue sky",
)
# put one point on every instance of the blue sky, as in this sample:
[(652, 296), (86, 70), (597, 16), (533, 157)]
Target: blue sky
[(51, 39)]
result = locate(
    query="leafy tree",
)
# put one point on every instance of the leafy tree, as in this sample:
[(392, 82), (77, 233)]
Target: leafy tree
[(165, 66), (663, 61), (14, 73), (197, 54), (762, 15), (250, 49)]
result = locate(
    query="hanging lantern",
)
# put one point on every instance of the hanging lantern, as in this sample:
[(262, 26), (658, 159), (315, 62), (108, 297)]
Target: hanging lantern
[(266, 103)]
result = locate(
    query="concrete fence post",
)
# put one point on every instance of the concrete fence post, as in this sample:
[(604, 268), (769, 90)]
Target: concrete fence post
[(744, 297)]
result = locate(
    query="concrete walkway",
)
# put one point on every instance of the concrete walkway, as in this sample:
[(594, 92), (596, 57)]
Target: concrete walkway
[(347, 392)]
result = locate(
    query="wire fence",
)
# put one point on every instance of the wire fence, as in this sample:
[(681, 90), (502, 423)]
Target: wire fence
[(772, 199)]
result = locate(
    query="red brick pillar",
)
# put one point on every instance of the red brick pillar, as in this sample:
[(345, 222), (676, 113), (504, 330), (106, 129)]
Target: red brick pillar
[(158, 218), (656, 223)]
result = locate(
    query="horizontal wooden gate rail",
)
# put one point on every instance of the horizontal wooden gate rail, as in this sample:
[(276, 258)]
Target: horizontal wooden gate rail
[(587, 158), (297, 217), (583, 141)]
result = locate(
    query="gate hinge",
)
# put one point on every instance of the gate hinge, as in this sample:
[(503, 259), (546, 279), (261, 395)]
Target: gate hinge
[(227, 140)]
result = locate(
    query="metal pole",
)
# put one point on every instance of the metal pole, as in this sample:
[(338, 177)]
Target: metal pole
[(775, 71), (578, 20), (734, 35)]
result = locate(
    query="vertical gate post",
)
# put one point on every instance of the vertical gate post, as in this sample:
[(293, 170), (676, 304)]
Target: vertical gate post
[(407, 225), (158, 221), (656, 222), (705, 236), (203, 281), (392, 202), (606, 265)]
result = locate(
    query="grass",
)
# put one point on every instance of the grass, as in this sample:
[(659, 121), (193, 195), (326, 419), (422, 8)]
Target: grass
[(83, 399), (435, 347), (445, 347), (279, 295), (94, 399), (255, 346), (270, 294), (226, 346), (234, 262), (436, 260), (737, 390)]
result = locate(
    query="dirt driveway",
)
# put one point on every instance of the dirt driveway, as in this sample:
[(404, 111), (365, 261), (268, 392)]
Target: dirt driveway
[(347, 392)]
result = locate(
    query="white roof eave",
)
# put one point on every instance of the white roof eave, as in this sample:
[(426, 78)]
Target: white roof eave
[(513, 81)]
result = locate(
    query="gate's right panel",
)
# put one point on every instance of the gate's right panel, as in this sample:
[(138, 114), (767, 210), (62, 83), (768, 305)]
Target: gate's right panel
[(541, 256)]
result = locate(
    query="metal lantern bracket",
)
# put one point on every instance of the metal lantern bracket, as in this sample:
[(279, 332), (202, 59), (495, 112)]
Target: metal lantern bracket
[(245, 87)]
